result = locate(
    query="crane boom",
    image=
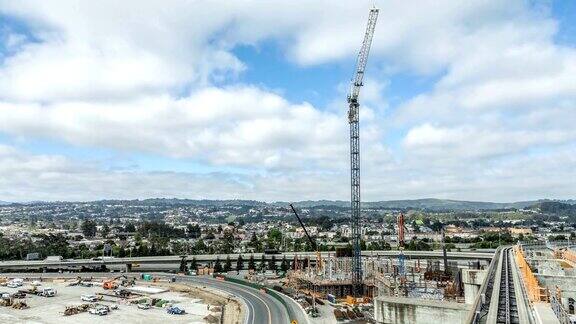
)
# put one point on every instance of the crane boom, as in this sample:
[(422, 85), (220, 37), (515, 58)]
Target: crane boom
[(361, 62), (313, 243), (353, 117)]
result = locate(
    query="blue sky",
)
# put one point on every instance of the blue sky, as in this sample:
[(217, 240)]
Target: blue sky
[(473, 100)]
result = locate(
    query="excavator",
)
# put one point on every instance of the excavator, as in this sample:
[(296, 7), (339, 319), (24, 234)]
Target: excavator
[(319, 261), (113, 283)]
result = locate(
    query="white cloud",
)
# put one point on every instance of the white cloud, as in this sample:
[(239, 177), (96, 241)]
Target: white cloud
[(139, 76), (241, 126)]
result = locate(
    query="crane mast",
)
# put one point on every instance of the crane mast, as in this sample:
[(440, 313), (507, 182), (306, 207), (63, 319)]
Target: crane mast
[(353, 117)]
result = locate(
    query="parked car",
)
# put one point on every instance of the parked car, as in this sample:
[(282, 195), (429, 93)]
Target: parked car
[(47, 292), (144, 306), (101, 311), (175, 310), (15, 283), (89, 298)]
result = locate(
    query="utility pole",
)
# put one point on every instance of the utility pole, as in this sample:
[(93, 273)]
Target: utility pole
[(353, 118)]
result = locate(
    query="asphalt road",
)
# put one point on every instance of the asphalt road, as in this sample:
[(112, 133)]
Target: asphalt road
[(261, 308)]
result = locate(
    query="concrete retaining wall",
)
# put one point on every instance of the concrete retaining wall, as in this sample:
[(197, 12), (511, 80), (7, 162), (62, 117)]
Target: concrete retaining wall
[(414, 311)]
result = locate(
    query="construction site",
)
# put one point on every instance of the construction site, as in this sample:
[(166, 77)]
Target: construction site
[(380, 282), (441, 287), (143, 299)]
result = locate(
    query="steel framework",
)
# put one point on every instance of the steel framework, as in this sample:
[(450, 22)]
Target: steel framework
[(353, 118)]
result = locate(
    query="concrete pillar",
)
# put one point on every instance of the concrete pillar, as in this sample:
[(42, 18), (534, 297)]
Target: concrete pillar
[(472, 280)]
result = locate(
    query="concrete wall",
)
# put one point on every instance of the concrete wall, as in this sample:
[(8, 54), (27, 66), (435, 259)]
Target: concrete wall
[(414, 311), (472, 280)]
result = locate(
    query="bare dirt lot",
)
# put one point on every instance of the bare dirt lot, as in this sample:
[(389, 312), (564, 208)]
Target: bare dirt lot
[(50, 310)]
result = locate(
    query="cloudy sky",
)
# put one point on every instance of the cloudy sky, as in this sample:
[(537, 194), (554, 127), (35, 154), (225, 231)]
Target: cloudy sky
[(246, 99)]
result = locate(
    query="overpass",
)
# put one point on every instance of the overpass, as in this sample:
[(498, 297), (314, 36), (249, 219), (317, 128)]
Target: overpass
[(173, 261)]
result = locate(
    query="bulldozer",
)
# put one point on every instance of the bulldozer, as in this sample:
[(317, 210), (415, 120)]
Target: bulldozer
[(20, 305)]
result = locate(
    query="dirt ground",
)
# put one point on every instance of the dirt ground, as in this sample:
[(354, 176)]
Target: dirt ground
[(233, 310), (196, 301)]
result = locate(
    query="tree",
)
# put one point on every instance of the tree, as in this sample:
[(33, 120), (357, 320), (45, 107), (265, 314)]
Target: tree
[(239, 263), (284, 266), (199, 247), (130, 228), (274, 238), (88, 228), (217, 266), (193, 231), (193, 264), (254, 243), (272, 263), (263, 263), (251, 263), (228, 264), (105, 230)]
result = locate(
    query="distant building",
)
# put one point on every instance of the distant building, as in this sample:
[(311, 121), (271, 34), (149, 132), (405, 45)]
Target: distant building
[(519, 231)]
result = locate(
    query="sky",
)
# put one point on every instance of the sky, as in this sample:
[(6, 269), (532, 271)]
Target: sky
[(134, 99)]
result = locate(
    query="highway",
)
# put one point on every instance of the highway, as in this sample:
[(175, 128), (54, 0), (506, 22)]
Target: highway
[(261, 308), (173, 261)]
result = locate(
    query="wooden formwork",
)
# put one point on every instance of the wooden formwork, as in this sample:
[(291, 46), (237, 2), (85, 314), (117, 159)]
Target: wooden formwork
[(535, 292)]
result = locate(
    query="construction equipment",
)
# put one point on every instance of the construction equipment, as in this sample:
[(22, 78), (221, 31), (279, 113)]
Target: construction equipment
[(313, 243), (353, 118), (113, 283), (20, 305)]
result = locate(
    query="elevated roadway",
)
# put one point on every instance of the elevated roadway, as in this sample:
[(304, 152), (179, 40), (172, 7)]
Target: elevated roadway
[(502, 297), (173, 261)]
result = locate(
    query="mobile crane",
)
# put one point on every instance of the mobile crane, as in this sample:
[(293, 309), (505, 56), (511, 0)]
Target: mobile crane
[(319, 262)]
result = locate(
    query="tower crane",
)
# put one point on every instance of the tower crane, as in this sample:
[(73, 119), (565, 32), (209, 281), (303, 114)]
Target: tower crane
[(353, 118)]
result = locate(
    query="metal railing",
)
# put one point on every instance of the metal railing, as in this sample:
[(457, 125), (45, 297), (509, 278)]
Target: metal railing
[(560, 311)]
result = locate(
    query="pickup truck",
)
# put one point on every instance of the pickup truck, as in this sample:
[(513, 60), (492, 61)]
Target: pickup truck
[(89, 298), (47, 292)]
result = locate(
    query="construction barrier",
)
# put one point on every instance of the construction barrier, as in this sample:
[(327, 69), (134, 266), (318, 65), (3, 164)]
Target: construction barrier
[(535, 292)]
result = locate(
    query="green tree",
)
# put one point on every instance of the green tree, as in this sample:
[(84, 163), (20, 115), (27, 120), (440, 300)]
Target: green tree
[(284, 266), (228, 264), (274, 238), (263, 263), (239, 263), (272, 263), (251, 263), (88, 228), (217, 266), (193, 264), (105, 230)]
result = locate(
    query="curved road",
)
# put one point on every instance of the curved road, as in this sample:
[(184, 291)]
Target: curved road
[(261, 308)]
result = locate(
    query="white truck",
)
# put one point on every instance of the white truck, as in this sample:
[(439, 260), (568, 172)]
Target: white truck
[(15, 283), (47, 292), (54, 258)]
